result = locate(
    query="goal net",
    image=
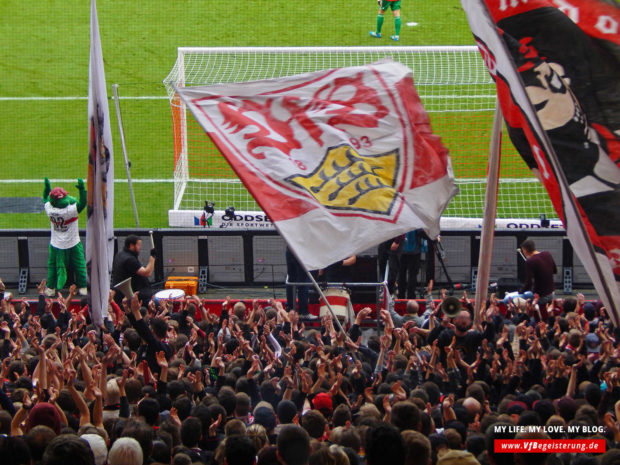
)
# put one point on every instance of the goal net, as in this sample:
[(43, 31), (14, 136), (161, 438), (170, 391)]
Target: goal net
[(454, 86)]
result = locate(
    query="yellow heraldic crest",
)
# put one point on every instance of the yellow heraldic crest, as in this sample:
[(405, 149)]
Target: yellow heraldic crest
[(347, 180)]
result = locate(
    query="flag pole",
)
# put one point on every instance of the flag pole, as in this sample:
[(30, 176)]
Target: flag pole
[(385, 298), (490, 210), (329, 307), (314, 283), (121, 130)]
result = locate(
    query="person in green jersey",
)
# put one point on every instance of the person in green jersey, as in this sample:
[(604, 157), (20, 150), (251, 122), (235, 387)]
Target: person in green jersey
[(383, 6)]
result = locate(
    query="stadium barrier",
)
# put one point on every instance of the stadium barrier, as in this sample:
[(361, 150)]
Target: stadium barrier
[(229, 257)]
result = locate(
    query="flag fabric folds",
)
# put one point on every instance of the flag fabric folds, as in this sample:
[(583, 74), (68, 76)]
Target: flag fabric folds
[(100, 206), (556, 66), (340, 159)]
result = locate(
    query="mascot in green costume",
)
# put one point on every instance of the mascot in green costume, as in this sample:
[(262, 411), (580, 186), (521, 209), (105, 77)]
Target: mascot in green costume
[(66, 251)]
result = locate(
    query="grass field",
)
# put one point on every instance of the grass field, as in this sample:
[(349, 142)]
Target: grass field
[(44, 79)]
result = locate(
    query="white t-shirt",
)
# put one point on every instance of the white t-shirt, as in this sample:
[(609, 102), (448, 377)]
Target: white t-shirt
[(64, 225)]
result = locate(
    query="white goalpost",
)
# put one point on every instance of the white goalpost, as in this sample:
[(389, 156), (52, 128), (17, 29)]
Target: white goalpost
[(452, 81)]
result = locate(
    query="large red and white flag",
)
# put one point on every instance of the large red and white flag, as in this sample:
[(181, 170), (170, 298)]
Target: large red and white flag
[(556, 65), (340, 160), (100, 206)]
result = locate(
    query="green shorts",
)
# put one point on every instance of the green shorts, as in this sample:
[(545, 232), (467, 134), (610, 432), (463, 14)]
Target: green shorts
[(385, 5)]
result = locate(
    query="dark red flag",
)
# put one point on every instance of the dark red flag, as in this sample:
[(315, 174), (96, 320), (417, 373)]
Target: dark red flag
[(557, 67)]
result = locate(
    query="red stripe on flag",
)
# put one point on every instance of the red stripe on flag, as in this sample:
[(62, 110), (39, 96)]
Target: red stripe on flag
[(336, 300)]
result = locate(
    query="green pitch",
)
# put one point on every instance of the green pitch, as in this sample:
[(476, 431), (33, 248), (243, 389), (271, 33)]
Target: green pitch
[(44, 78)]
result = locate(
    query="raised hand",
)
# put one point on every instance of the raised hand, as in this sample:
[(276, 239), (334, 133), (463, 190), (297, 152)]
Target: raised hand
[(161, 359), (4, 327), (135, 303), (69, 374), (26, 401), (387, 407), (385, 342), (215, 425), (362, 315), (122, 380), (197, 384), (174, 416)]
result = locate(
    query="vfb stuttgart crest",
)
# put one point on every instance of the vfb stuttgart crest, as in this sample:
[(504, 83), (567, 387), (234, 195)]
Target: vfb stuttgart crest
[(348, 181)]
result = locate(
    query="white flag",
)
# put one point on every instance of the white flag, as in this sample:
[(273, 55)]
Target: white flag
[(340, 160), (100, 209)]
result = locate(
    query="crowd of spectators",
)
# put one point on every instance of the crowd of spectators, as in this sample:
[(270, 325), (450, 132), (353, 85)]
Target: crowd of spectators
[(254, 384)]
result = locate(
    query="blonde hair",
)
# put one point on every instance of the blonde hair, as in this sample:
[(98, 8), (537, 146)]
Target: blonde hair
[(370, 410), (329, 455), (113, 395), (239, 310), (339, 455), (258, 435)]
